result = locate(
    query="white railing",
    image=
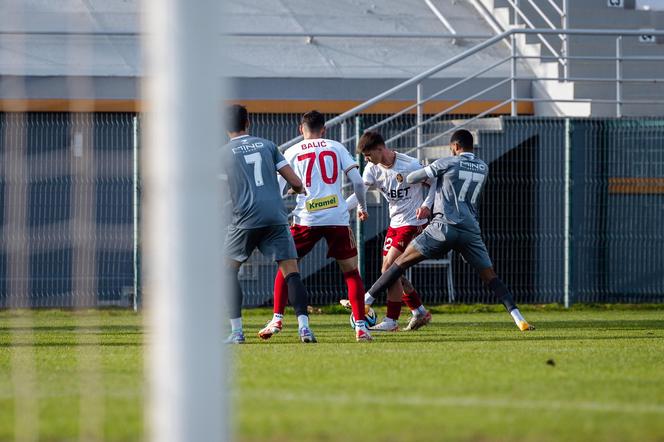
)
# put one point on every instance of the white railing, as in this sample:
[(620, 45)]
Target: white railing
[(512, 97)]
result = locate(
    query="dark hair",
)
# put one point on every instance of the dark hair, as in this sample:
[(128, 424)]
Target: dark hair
[(464, 138), (313, 120), (237, 118), (370, 141)]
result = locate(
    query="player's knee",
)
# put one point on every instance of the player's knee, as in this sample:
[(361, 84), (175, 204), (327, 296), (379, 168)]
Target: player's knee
[(288, 266), (407, 286)]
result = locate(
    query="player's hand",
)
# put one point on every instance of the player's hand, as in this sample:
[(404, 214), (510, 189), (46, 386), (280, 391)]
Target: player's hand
[(362, 216), (423, 213)]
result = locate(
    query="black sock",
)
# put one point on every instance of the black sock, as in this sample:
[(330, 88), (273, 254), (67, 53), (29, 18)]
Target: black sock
[(297, 293), (235, 298), (388, 278), (503, 293)]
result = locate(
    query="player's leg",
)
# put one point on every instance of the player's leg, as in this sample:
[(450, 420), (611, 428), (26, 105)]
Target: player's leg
[(429, 244), (420, 316), (234, 302), (277, 243), (387, 246), (305, 239), (341, 246), (394, 295), (298, 297), (475, 253), (238, 247), (497, 286)]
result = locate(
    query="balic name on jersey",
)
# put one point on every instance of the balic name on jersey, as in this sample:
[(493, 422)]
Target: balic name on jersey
[(313, 144)]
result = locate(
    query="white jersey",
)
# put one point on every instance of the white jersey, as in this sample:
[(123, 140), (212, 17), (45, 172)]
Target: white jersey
[(320, 164), (404, 199)]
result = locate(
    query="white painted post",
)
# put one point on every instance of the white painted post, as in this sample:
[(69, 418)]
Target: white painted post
[(565, 23), (619, 76), (182, 228), (513, 104)]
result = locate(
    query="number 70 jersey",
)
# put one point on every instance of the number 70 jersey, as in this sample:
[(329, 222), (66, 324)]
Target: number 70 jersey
[(320, 164)]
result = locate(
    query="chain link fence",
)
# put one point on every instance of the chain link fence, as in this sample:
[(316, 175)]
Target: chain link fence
[(69, 189)]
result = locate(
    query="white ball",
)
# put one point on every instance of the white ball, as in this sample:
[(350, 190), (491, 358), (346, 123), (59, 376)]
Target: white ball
[(370, 318)]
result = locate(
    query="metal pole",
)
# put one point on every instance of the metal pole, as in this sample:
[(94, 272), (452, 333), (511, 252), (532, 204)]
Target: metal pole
[(183, 222), (618, 77), (515, 14), (513, 104), (419, 121), (567, 222), (135, 203), (565, 24), (359, 225)]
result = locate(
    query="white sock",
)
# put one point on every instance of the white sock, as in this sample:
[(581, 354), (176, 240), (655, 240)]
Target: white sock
[(516, 315), (236, 324), (303, 321), (368, 299), (419, 311), (277, 317), (390, 320), (360, 324)]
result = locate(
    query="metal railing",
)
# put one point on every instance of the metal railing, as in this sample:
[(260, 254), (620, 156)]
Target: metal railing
[(512, 98)]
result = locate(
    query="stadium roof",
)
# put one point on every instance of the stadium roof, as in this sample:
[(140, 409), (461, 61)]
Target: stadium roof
[(36, 41)]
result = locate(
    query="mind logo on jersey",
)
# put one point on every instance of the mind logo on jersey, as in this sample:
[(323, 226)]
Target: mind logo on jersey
[(323, 203)]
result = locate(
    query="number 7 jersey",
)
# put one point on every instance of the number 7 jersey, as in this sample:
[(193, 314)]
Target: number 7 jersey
[(460, 180), (320, 164)]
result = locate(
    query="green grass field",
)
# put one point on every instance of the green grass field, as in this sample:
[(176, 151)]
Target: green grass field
[(468, 376)]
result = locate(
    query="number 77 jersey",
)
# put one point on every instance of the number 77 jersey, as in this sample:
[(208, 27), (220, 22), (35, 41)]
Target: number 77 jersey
[(320, 164), (460, 180)]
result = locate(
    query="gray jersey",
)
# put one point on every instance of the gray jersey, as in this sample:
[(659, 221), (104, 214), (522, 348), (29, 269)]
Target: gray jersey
[(250, 165), (459, 183)]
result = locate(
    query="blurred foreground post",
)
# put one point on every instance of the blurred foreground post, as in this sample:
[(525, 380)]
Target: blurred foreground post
[(182, 221)]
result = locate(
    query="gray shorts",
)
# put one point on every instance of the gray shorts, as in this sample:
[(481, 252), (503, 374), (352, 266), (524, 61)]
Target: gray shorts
[(439, 238), (274, 242)]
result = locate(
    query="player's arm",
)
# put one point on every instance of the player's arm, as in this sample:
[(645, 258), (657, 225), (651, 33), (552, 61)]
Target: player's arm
[(424, 211), (288, 174), (360, 192), (369, 183), (351, 201), (352, 171), (433, 170), (286, 171)]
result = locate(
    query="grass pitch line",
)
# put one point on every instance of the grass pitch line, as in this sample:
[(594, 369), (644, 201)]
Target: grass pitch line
[(452, 401)]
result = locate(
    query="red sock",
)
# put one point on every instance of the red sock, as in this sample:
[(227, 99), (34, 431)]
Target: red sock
[(393, 309), (280, 293), (412, 300), (355, 293)]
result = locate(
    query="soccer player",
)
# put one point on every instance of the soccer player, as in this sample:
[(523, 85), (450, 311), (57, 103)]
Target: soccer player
[(250, 164), (459, 182), (409, 213), (321, 212)]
